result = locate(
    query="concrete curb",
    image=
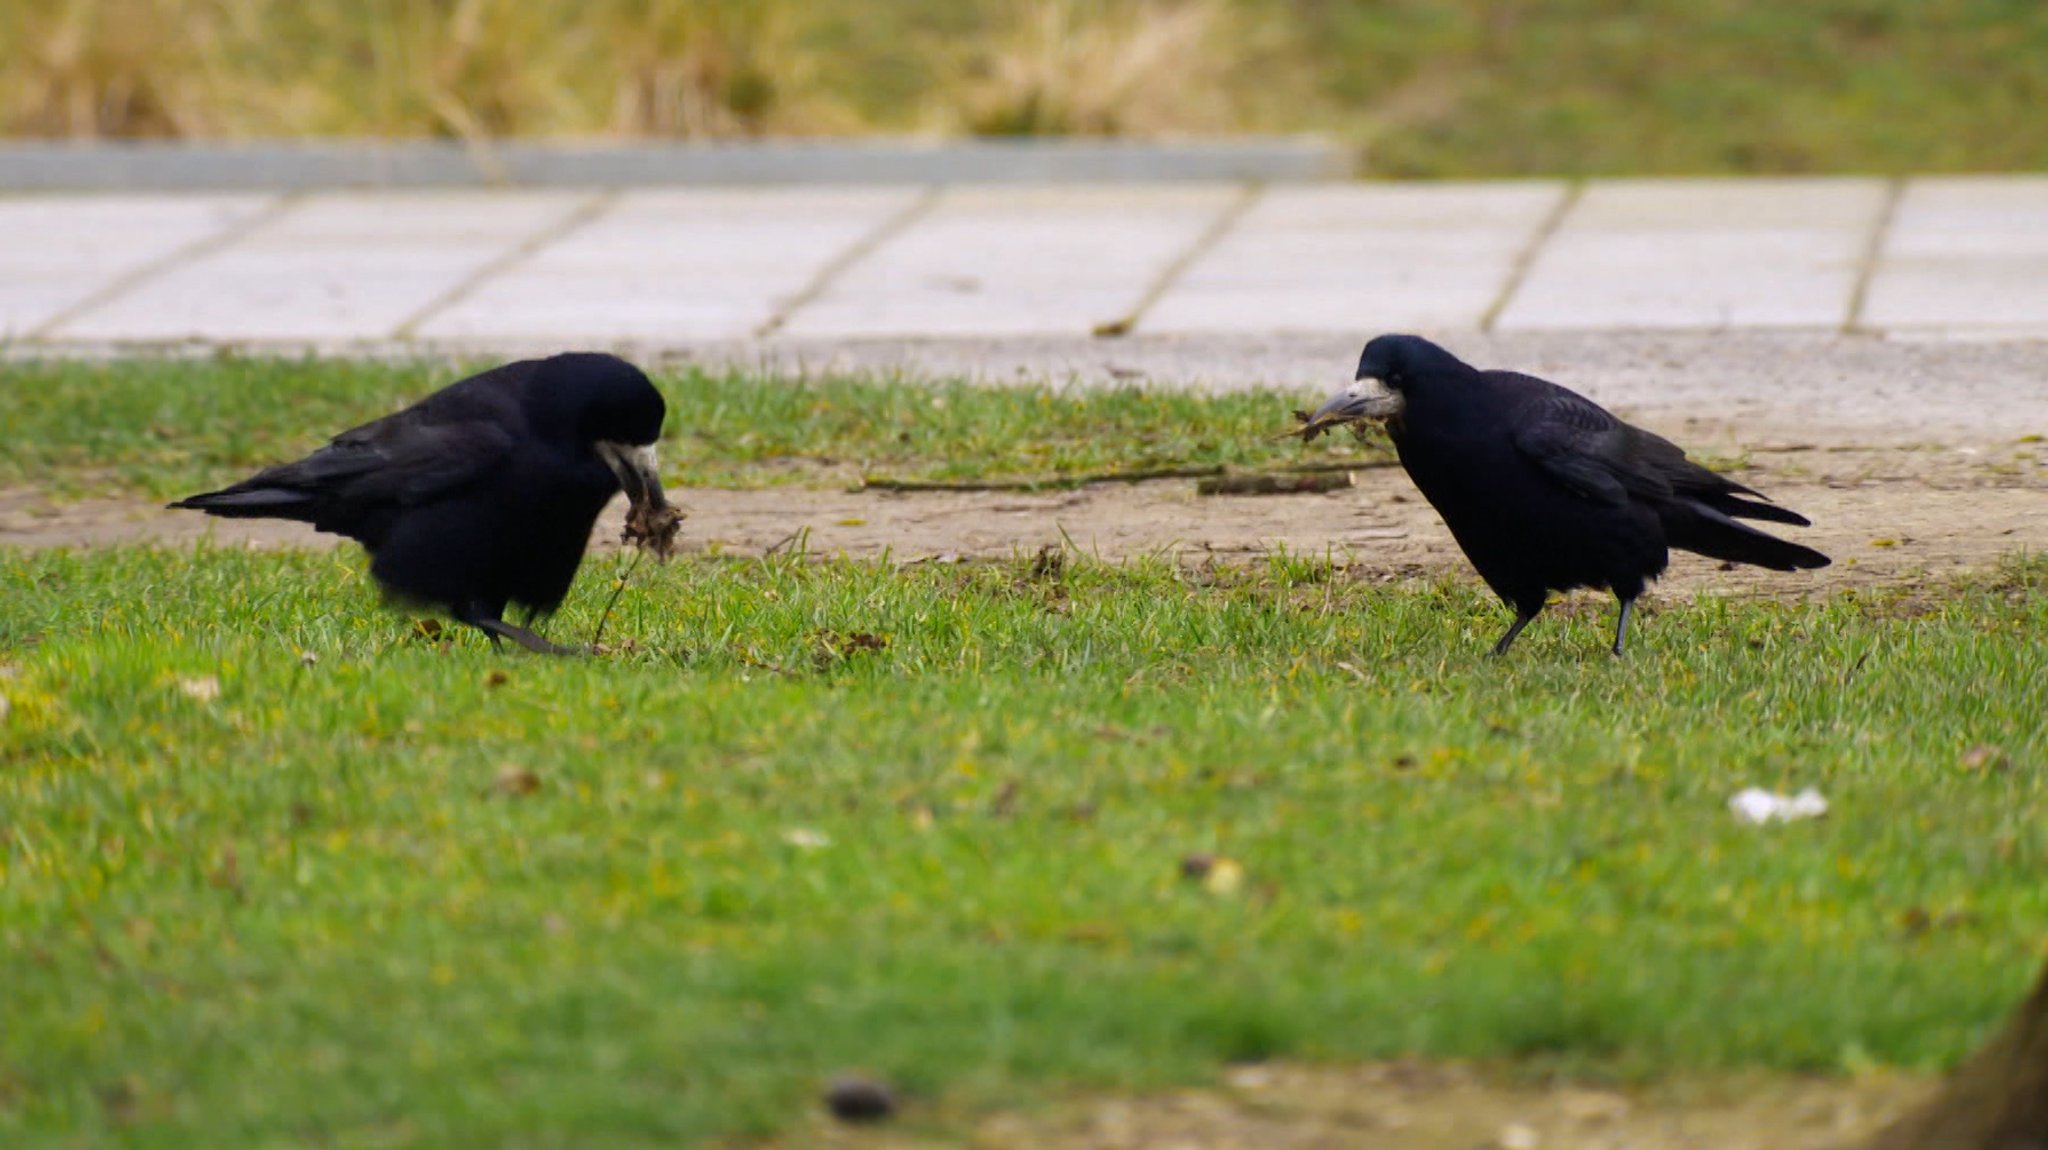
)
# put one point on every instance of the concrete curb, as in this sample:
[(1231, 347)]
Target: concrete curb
[(28, 165)]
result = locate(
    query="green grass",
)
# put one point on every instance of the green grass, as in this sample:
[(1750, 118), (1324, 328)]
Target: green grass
[(1418, 87), (758, 849), (166, 428)]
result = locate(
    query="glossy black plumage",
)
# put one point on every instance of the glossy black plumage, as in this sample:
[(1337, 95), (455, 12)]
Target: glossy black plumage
[(483, 494), (1545, 490)]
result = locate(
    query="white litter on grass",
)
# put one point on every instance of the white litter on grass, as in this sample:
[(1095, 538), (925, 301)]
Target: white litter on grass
[(205, 688), (806, 839), (1757, 806)]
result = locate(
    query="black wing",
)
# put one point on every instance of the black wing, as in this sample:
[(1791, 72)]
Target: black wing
[(1583, 446)]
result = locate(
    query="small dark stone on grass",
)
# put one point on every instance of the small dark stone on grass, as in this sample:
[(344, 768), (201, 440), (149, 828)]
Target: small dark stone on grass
[(858, 1098)]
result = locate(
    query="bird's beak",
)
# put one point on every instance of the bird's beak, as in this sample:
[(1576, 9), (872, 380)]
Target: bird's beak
[(638, 473), (1365, 398)]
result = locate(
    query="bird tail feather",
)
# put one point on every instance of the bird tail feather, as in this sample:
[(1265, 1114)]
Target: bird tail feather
[(1729, 505), (250, 503), (1706, 530)]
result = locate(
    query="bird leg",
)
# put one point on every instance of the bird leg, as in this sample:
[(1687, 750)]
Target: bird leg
[(1621, 625), (1523, 616)]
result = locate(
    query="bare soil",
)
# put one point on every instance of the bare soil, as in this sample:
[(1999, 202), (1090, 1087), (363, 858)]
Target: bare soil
[(1885, 514), (1417, 1106)]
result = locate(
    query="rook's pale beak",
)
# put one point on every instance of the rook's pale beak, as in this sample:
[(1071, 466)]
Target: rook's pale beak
[(638, 473), (1365, 398)]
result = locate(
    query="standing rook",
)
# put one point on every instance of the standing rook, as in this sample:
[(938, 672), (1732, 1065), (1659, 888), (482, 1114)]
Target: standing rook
[(482, 494), (1543, 488)]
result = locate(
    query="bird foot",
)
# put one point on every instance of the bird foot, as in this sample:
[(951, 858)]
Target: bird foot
[(499, 629)]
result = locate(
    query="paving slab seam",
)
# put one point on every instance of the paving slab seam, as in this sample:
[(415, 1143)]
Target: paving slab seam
[(1203, 244), (1518, 272), (576, 217), (203, 246), (853, 253), (1872, 255)]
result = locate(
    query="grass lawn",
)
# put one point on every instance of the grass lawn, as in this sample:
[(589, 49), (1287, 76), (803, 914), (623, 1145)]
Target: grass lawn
[(277, 870), (166, 428)]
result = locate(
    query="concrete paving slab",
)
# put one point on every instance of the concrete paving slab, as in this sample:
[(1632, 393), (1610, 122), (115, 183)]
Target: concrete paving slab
[(1693, 254), (664, 266), (1360, 258), (56, 252), (1966, 254), (333, 268), (1016, 261)]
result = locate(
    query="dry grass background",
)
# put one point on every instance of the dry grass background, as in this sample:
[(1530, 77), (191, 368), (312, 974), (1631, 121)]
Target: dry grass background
[(678, 68), (1419, 87)]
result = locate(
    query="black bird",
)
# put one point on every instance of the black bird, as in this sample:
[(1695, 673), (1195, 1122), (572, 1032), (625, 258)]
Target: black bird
[(482, 494), (1544, 489)]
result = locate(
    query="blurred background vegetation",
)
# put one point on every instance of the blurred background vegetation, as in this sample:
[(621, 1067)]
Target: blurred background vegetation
[(1418, 87)]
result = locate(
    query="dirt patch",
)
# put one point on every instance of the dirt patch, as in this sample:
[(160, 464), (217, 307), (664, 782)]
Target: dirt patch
[(1415, 1106), (1885, 515)]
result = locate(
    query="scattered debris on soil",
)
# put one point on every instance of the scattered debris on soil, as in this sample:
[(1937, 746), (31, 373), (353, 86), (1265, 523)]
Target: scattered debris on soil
[(1887, 516)]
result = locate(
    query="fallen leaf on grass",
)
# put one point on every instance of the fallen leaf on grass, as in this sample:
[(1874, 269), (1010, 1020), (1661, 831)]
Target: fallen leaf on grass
[(515, 782), (836, 645), (228, 875), (122, 1101), (1005, 801), (1217, 874), (1093, 933), (1915, 921), (1985, 757)]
